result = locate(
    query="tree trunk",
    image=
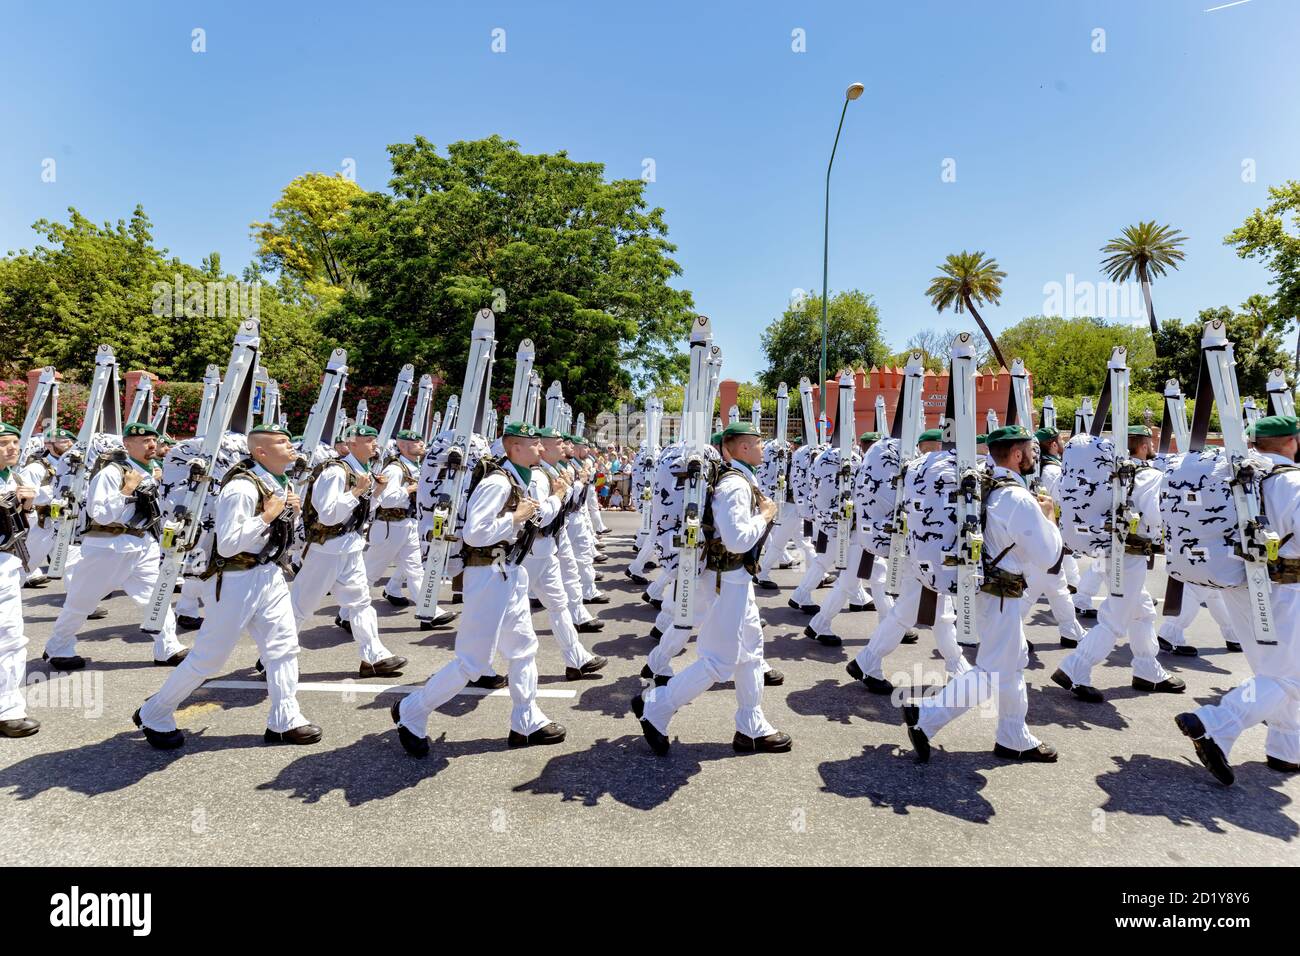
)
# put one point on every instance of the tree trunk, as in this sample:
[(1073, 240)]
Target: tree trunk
[(1151, 309), (997, 352)]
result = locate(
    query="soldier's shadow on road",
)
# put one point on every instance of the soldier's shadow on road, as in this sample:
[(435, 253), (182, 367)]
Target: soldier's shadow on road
[(372, 768), (322, 636), (627, 647), (625, 769), (1183, 792), (1052, 705), (611, 698), (786, 643), (949, 784), (841, 701), (110, 765)]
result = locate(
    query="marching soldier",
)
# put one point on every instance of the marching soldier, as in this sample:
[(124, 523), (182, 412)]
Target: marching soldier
[(1052, 582), (731, 637), (553, 464), (40, 473), (1133, 613), (1272, 695), (119, 550), (244, 590), (334, 519), (394, 536), (16, 503), (545, 579), (498, 523), (1019, 530)]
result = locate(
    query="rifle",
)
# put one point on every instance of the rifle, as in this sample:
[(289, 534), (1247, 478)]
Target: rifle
[(697, 410)]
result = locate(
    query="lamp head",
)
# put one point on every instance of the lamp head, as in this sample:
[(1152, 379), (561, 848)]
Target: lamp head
[(854, 91)]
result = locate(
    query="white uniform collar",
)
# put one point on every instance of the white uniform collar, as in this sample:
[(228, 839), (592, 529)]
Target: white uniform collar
[(1278, 459), (355, 462), (999, 472)]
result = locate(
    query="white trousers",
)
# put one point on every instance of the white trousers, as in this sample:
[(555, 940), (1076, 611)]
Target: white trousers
[(900, 619), (1173, 629), (256, 601), (344, 573), (593, 512), (40, 542), (645, 552), (187, 605), (790, 528), (1134, 616), (663, 584), (841, 593), (545, 584), (105, 566), (570, 578), (395, 544), (1090, 582), (496, 615), (1273, 694), (13, 642), (584, 552), (997, 677), (1038, 583), (730, 645), (817, 567)]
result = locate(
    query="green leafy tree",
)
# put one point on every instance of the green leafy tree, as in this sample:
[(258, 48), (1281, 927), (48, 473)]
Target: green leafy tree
[(1069, 356), (1263, 236), (577, 263), (967, 279), (1146, 251), (792, 343), (1257, 331)]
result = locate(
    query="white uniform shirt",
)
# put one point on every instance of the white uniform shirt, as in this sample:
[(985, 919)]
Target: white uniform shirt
[(539, 489), (1282, 506), (485, 526), (395, 494), (334, 504), (738, 526), (240, 527), (105, 504), (1015, 520)]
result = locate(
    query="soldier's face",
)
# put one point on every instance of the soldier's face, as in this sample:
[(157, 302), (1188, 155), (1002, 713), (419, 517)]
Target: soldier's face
[(523, 451), (552, 450), (8, 451), (363, 447), (59, 445), (412, 450), (747, 449), (141, 447), (273, 452)]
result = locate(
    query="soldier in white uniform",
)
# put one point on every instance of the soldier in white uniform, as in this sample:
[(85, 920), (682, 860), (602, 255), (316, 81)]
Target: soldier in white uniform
[(40, 472), (119, 549), (1052, 582), (1019, 530), (1133, 613), (788, 529), (577, 525), (334, 518), (545, 579), (731, 637), (394, 539), (16, 505), (243, 589), (1272, 695), (498, 522), (818, 564)]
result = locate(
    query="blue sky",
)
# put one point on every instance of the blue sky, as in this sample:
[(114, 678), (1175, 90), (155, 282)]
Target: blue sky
[(1056, 147)]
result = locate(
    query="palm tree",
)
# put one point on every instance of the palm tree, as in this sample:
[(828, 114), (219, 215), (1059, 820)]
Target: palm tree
[(1147, 250), (969, 278)]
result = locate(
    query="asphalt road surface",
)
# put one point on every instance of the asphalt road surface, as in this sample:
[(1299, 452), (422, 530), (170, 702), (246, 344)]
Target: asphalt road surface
[(89, 790)]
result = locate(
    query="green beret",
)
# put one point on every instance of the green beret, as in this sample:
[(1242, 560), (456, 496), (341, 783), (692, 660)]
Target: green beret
[(930, 434), (267, 429), (1139, 431), (1046, 434), (715, 438), (137, 429), (869, 436), (981, 439), (361, 431), (7, 429), (736, 429), (407, 434), (1277, 426), (547, 432), (167, 438), (54, 434), (519, 430), (295, 438), (1008, 433)]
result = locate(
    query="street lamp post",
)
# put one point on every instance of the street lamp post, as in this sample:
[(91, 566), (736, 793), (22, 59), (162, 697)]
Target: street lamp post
[(851, 94)]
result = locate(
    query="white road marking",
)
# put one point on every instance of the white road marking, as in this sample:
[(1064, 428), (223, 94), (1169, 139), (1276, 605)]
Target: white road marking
[(350, 687)]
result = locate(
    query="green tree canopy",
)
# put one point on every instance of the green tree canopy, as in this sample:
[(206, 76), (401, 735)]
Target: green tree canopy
[(1256, 331), (792, 343), (1069, 356), (577, 263), (1263, 235)]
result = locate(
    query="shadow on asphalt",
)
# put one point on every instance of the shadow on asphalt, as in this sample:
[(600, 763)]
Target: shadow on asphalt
[(840, 701), (625, 769), (372, 768), (111, 765), (889, 777), (1183, 792), (1052, 705)]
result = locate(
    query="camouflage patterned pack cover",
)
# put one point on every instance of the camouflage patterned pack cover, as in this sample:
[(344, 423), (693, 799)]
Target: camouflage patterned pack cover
[(1084, 492), (930, 500), (431, 480), (875, 493), (801, 477), (825, 500)]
